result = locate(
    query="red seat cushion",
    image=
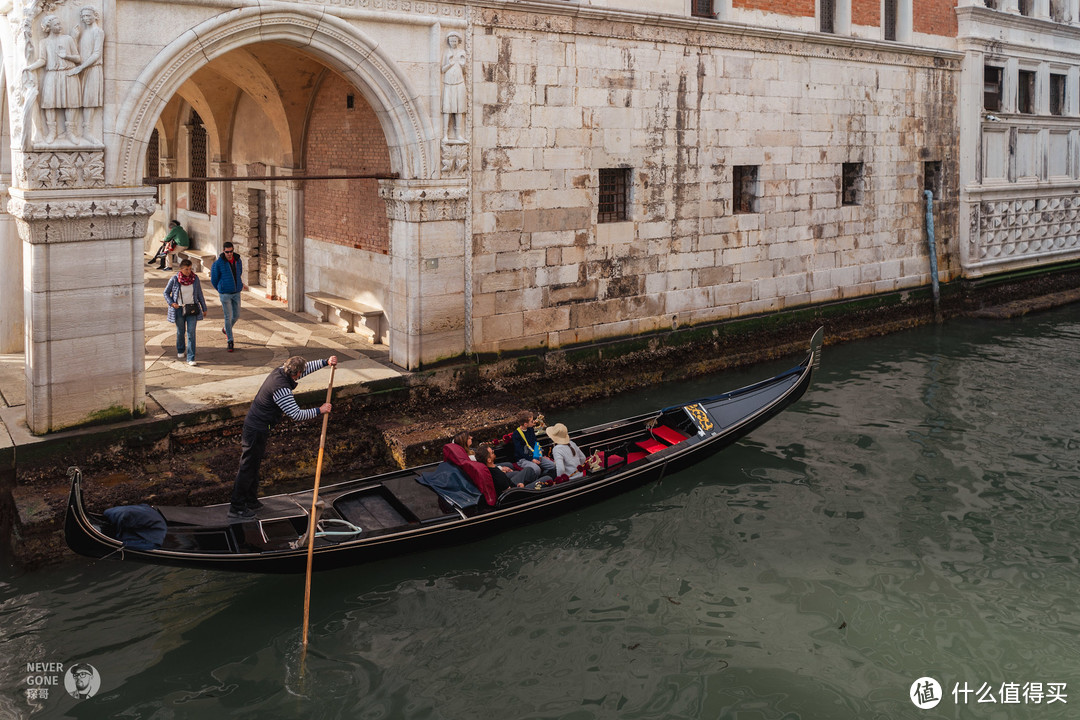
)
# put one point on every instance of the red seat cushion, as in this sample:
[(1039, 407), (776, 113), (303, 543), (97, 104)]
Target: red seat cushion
[(650, 445), (667, 434), (635, 456)]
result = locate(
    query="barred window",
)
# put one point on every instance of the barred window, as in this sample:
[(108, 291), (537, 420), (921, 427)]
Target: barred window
[(153, 161), (614, 194), (851, 184), (827, 16), (702, 8), (744, 188), (197, 190), (932, 177), (889, 21)]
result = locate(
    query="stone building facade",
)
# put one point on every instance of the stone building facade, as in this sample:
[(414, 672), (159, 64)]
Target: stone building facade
[(495, 176)]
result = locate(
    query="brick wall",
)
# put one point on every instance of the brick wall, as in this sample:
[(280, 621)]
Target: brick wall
[(800, 8), (344, 140), (935, 17), (866, 12)]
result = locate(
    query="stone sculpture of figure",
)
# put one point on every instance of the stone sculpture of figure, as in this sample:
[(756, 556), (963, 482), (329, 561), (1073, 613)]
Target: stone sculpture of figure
[(59, 90), (453, 95), (91, 43)]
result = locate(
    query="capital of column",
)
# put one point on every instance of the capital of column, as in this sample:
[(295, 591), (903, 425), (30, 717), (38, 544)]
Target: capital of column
[(420, 200), (59, 216)]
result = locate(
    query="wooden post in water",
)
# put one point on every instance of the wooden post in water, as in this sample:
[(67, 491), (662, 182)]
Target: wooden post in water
[(311, 523)]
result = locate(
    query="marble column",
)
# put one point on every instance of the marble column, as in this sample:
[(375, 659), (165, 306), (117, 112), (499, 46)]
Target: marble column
[(11, 281), (83, 269), (295, 212), (426, 308)]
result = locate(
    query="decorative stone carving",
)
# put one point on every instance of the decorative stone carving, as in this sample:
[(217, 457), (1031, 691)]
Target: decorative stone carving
[(55, 170), (61, 87), (56, 217), (418, 204), (453, 95), (1026, 227), (455, 159)]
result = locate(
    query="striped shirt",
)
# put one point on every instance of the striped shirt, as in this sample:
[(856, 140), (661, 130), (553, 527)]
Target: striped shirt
[(285, 400)]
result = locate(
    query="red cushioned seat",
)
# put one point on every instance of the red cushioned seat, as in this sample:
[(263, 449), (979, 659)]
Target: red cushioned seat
[(635, 456), (670, 435), (650, 445)]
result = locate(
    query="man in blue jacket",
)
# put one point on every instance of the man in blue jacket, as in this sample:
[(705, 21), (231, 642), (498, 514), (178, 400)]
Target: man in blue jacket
[(226, 275)]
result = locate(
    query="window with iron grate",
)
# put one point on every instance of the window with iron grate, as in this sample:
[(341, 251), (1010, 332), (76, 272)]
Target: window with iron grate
[(744, 189), (852, 184), (702, 8), (197, 190), (827, 16), (614, 195), (153, 161), (889, 21)]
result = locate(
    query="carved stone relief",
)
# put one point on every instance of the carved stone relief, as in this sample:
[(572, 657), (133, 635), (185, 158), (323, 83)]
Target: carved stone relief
[(420, 204), (59, 96), (1017, 228), (55, 170), (455, 159), (75, 220)]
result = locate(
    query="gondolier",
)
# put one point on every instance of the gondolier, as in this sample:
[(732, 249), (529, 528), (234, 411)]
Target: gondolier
[(274, 399)]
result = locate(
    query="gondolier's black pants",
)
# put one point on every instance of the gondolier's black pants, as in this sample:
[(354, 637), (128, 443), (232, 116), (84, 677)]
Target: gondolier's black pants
[(252, 450)]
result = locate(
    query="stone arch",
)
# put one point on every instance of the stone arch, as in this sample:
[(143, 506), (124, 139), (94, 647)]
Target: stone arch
[(406, 127)]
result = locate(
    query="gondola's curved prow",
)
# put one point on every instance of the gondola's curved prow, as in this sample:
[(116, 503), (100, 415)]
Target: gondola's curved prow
[(79, 531)]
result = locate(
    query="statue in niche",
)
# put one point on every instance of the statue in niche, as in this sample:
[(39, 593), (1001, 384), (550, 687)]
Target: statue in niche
[(59, 89), (91, 39), (453, 95)]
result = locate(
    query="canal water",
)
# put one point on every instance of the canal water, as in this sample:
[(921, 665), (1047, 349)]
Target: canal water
[(914, 516)]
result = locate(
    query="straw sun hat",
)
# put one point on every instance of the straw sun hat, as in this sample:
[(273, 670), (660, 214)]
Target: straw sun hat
[(558, 434)]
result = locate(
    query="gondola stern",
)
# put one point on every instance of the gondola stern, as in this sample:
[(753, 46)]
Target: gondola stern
[(78, 532)]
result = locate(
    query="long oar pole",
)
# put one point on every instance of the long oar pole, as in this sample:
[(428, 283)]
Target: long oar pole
[(311, 521)]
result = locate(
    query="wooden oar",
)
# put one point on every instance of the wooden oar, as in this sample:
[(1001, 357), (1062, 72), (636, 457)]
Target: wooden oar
[(312, 519)]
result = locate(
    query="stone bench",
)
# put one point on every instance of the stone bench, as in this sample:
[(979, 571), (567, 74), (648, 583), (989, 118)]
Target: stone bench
[(357, 317), (200, 260)]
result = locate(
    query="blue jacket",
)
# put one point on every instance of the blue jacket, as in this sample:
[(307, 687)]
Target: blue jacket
[(227, 277), (172, 294)]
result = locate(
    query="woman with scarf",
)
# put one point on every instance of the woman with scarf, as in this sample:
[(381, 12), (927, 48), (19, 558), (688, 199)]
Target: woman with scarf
[(186, 308)]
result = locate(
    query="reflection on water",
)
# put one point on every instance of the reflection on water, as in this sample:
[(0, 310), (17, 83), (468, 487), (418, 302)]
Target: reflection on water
[(914, 515)]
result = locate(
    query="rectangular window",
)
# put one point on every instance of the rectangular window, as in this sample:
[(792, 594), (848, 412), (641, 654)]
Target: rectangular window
[(197, 161), (614, 189), (1058, 11), (1057, 94), (889, 21), (744, 188), (992, 4), (1026, 7), (992, 88), (1025, 92), (932, 177), (827, 16), (702, 8), (852, 182)]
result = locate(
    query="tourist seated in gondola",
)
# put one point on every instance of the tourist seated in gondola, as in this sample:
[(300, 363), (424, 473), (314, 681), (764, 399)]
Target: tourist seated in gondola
[(464, 439), (565, 453), (457, 453), (527, 448), (506, 476)]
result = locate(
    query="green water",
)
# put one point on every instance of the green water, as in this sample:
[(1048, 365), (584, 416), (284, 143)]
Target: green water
[(914, 515)]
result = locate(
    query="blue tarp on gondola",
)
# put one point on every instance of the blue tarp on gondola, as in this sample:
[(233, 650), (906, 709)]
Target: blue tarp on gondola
[(139, 527), (451, 484)]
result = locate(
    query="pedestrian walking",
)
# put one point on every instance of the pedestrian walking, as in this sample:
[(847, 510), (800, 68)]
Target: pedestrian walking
[(226, 275), (187, 307)]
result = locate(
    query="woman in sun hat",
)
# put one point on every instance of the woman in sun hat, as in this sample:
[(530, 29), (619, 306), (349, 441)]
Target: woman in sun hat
[(565, 452)]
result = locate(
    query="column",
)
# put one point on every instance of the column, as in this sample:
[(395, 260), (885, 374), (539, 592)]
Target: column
[(223, 220), (295, 274), (426, 312), (11, 281), (82, 263)]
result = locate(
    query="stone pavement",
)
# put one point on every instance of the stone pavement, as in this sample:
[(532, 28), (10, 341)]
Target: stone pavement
[(265, 335)]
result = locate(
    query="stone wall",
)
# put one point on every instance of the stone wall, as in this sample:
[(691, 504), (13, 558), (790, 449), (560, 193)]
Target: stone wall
[(681, 111)]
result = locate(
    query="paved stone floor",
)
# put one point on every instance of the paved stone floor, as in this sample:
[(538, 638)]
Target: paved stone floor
[(265, 335)]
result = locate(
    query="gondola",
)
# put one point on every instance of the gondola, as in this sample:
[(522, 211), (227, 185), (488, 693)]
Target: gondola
[(392, 514)]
